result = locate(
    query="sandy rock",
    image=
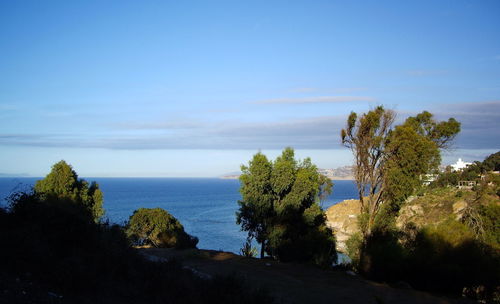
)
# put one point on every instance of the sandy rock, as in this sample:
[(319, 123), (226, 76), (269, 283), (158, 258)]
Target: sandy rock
[(459, 208), (342, 219), (409, 213)]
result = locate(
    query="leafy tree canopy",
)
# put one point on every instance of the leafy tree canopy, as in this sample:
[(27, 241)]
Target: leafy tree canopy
[(158, 228), (492, 162), (62, 182), (389, 162), (280, 208)]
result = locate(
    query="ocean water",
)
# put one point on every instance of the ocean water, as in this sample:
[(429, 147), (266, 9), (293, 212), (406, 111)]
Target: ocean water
[(205, 206)]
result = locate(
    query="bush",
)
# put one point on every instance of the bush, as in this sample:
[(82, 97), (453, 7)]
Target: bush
[(353, 246), (447, 257), (56, 253), (444, 258), (156, 227), (63, 183), (248, 250)]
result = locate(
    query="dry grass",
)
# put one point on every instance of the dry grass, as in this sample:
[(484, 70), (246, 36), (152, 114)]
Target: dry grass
[(296, 283)]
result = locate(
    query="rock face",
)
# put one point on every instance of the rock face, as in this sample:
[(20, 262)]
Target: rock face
[(409, 213), (430, 209), (459, 208), (342, 219)]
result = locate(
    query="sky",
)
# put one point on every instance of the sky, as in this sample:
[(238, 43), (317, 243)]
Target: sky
[(195, 88)]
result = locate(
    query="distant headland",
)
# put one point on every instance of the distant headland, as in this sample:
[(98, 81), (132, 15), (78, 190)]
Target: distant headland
[(340, 173)]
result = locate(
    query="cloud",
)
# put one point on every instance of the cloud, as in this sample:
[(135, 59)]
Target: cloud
[(480, 130), (170, 125), (303, 90), (480, 121), (349, 90), (423, 73), (317, 99), (313, 133)]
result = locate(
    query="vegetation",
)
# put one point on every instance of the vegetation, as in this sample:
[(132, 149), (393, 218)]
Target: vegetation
[(367, 138), (55, 252), (248, 250), (479, 172), (389, 163), (63, 183), (280, 209), (451, 245), (156, 227)]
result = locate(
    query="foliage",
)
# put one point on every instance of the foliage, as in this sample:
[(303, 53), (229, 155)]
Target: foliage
[(158, 228), (444, 257), (256, 209), (63, 183), (280, 208), (477, 171), (490, 215), (492, 162), (56, 253), (248, 250), (353, 248), (448, 257), (389, 164), (367, 138)]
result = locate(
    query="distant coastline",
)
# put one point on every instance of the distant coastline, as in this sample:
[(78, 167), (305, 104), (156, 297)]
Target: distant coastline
[(340, 173)]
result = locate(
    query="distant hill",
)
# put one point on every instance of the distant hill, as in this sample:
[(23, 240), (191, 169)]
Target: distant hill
[(231, 175), (340, 173), (14, 175)]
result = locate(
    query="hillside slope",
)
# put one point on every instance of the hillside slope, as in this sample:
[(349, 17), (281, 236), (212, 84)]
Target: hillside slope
[(295, 283), (432, 208)]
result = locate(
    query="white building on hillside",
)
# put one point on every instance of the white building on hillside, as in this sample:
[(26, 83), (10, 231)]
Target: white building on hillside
[(459, 165)]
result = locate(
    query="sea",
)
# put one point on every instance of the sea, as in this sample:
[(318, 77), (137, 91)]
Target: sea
[(206, 207)]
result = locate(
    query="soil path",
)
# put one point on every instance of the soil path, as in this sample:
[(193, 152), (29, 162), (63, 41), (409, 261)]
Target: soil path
[(295, 283)]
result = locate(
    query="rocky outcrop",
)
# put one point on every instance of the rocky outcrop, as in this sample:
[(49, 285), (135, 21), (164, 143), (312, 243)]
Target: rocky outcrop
[(432, 208), (459, 209), (342, 219)]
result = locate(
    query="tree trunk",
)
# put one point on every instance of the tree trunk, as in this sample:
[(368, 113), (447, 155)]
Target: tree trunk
[(262, 250)]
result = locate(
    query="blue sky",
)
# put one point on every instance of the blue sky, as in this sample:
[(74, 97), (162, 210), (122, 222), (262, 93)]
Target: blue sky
[(159, 88)]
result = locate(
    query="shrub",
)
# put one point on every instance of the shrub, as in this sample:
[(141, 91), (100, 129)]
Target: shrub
[(156, 227), (248, 250), (353, 246), (58, 254), (63, 183)]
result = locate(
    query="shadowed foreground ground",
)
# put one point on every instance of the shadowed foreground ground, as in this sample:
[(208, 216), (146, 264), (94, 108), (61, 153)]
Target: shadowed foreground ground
[(295, 283)]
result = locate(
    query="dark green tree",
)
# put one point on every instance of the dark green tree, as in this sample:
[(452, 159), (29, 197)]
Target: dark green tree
[(412, 151), (158, 228), (389, 164), (280, 208), (492, 162), (256, 208), (63, 183)]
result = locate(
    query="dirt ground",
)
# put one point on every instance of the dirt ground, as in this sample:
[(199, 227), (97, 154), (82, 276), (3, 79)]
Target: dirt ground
[(295, 283)]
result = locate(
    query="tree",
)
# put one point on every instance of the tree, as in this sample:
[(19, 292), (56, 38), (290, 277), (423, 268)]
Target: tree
[(389, 163), (367, 138), (158, 228), (492, 162), (280, 208), (256, 208), (62, 182)]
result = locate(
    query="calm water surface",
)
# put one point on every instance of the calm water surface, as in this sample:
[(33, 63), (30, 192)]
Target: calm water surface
[(205, 206)]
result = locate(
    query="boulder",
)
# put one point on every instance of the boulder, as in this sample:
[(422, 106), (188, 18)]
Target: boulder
[(459, 208)]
